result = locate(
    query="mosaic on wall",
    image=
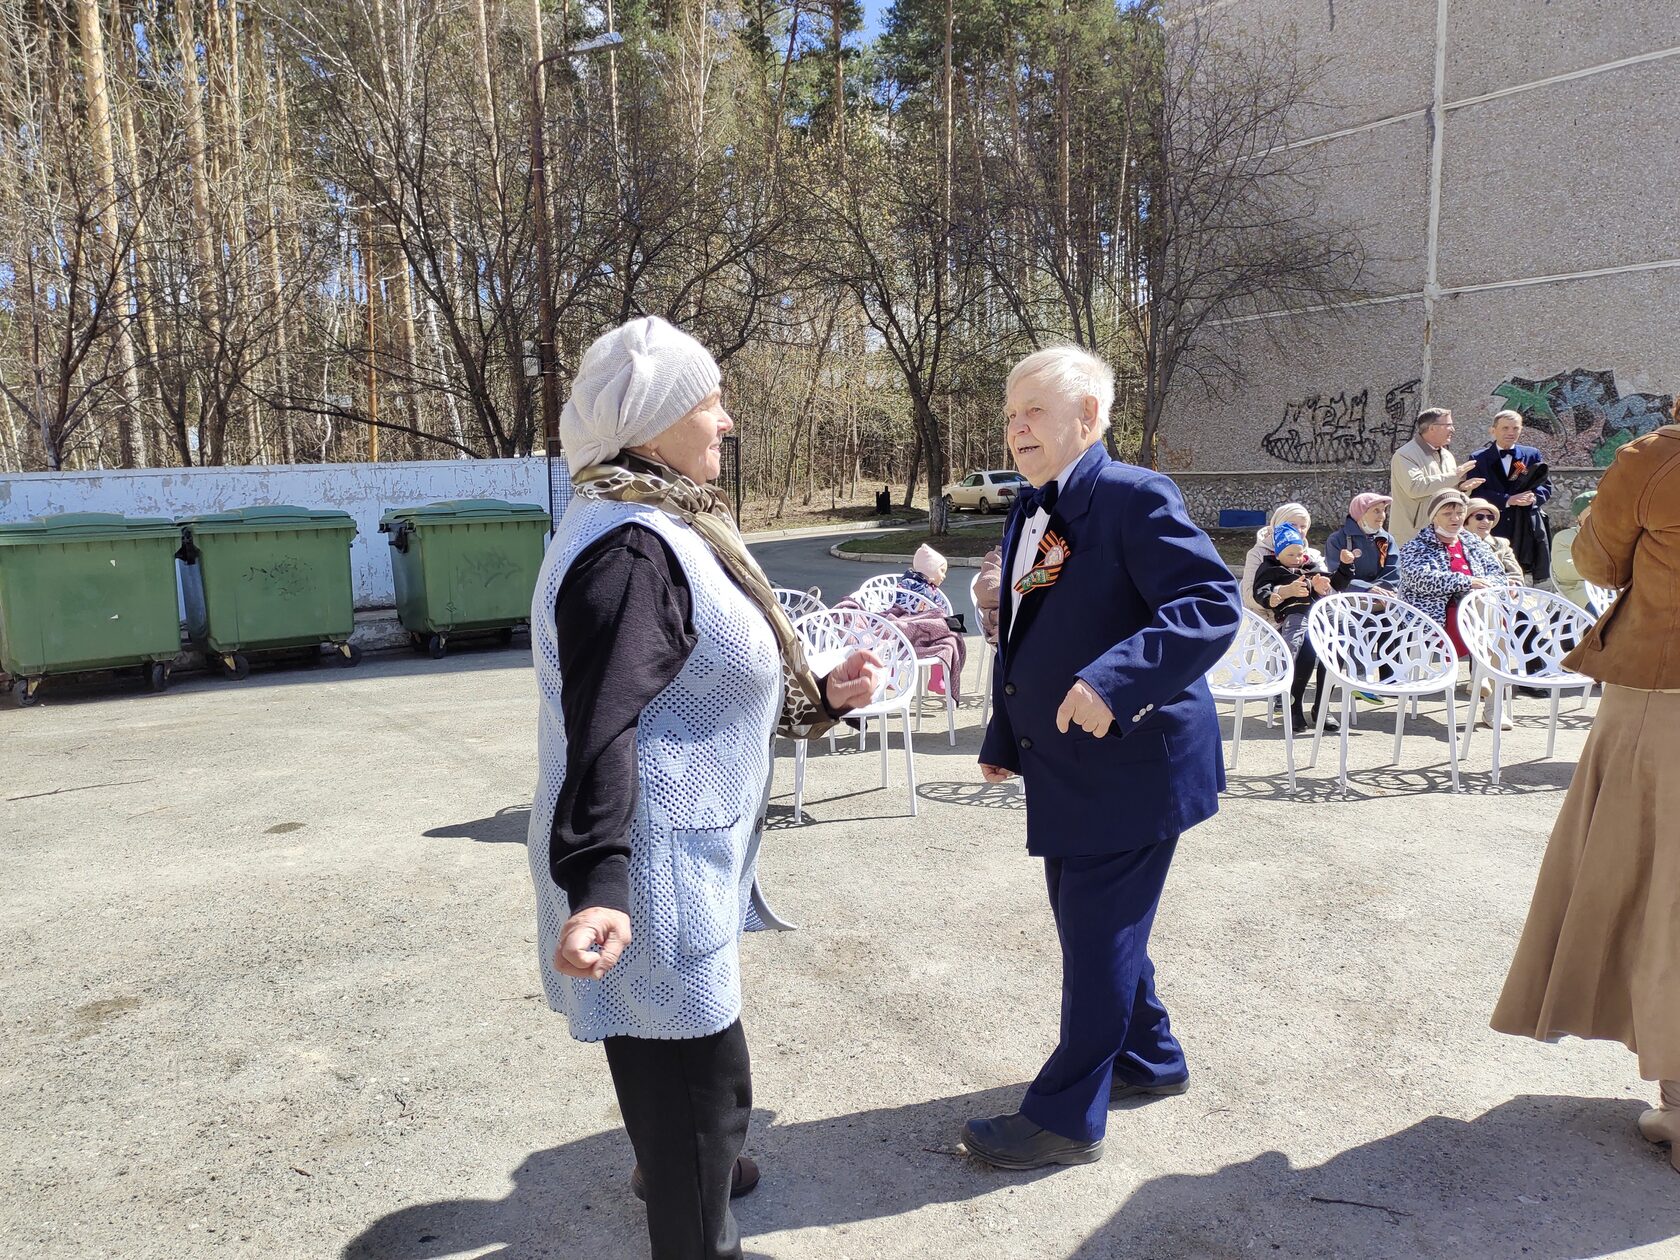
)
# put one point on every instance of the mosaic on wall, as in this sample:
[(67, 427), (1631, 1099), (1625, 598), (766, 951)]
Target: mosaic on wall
[(1578, 417)]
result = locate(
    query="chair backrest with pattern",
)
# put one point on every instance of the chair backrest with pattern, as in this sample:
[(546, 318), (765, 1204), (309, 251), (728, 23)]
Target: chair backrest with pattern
[(1378, 641), (878, 593), (1521, 634), (1255, 664), (834, 632), (1599, 598), (797, 603)]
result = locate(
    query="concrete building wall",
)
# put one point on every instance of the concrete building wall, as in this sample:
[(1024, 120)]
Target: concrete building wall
[(1511, 170), (365, 491)]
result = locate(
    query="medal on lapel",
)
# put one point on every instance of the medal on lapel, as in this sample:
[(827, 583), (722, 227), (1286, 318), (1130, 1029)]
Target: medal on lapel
[(1053, 552)]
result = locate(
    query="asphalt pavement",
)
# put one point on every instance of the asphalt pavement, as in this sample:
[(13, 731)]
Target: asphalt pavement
[(801, 563), (271, 991)]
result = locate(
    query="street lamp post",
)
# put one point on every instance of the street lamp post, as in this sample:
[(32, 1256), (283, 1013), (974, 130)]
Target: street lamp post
[(546, 357)]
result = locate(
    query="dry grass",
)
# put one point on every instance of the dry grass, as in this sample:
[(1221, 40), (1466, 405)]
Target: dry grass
[(759, 512)]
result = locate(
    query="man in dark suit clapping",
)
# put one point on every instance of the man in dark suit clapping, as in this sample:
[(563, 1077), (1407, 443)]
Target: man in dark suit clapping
[(1114, 605), (1515, 480)]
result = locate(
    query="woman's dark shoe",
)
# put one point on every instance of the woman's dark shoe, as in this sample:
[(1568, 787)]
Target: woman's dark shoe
[(1301, 724), (1304, 724), (742, 1181), (1015, 1142)]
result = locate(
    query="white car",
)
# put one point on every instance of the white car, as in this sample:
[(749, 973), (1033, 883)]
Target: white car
[(984, 491)]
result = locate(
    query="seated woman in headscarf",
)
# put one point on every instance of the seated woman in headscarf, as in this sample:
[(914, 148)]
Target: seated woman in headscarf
[(1365, 534), (919, 609), (924, 577)]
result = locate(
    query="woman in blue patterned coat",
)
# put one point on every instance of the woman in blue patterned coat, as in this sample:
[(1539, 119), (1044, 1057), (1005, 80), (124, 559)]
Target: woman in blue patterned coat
[(1443, 564), (1446, 562)]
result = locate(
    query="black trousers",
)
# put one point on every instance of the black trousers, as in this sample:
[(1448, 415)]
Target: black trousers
[(685, 1105)]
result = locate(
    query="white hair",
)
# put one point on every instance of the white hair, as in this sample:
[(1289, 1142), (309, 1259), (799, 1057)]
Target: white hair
[(1076, 373)]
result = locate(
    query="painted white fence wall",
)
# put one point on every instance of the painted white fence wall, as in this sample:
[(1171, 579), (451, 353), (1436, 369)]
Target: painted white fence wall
[(363, 490)]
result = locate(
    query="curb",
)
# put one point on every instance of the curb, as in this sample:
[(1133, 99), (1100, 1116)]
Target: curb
[(771, 535), (955, 562)]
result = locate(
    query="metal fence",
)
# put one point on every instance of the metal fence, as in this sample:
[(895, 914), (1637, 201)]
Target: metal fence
[(729, 480)]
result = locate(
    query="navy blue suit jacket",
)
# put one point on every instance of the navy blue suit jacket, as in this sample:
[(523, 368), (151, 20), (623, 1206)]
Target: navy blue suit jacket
[(1143, 608), (1496, 487)]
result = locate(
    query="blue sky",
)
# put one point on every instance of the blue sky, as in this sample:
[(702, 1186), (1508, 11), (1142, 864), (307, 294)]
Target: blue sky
[(874, 13)]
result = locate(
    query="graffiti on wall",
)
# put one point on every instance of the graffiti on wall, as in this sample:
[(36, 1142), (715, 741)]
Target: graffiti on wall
[(1579, 417), (1339, 429)]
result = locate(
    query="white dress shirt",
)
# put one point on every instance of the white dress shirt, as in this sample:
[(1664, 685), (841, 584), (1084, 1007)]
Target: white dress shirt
[(1026, 550)]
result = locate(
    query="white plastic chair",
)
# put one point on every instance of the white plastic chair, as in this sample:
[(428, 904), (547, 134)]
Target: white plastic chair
[(1600, 599), (797, 604), (921, 605), (1356, 635), (1257, 666), (988, 657), (877, 594), (1518, 638), (831, 634)]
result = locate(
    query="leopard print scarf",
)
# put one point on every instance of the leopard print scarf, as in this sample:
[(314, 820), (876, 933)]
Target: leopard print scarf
[(630, 479)]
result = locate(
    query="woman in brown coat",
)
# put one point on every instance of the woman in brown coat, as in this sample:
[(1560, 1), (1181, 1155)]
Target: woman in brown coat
[(1600, 954)]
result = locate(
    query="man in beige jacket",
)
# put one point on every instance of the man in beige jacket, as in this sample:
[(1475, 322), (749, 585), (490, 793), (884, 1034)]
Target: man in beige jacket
[(1420, 470)]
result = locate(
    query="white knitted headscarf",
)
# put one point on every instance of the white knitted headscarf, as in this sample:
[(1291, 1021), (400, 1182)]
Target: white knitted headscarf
[(635, 382)]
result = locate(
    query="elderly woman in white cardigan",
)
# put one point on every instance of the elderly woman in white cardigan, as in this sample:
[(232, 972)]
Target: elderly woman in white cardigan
[(1295, 514), (664, 666)]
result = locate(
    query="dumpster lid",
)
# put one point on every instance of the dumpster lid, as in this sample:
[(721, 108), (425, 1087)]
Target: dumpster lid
[(466, 509), (272, 516), (86, 526)]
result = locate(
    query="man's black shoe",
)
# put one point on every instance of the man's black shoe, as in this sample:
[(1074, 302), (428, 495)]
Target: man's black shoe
[(1166, 1089), (1303, 725), (1016, 1142)]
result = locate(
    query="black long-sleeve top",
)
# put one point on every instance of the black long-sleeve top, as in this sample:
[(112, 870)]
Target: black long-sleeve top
[(624, 621), (624, 625)]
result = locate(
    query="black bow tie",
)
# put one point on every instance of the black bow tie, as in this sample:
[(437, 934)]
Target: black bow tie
[(1043, 497)]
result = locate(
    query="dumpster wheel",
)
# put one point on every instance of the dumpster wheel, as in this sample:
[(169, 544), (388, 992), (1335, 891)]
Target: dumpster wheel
[(157, 676), (235, 666), (437, 645), (346, 654), (27, 690), (505, 636)]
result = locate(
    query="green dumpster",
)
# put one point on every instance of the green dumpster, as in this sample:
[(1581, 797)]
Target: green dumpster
[(261, 579), (86, 591), (464, 566)]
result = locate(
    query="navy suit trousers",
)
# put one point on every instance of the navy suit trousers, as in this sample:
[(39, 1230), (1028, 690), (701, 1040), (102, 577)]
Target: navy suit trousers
[(1112, 1021)]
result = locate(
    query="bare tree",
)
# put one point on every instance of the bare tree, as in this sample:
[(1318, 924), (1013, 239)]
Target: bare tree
[(1232, 226)]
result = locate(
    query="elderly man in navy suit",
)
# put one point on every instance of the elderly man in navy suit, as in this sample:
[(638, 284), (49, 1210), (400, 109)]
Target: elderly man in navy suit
[(1114, 607), (1516, 481)]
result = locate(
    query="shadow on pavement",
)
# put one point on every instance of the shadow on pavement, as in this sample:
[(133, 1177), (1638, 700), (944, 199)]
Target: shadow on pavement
[(506, 826), (1318, 783), (1536, 1178), (574, 1199), (976, 794)]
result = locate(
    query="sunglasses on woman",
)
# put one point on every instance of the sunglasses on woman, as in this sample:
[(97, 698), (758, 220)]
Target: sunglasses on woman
[(1484, 516)]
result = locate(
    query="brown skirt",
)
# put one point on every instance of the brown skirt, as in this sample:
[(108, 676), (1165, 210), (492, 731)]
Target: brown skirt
[(1600, 954)]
